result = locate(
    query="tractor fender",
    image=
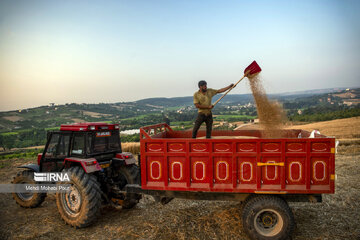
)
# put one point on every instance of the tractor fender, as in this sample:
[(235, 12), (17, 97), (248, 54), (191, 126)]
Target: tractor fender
[(33, 167), (127, 157), (88, 164)]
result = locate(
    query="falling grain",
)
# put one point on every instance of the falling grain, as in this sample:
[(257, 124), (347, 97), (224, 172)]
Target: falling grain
[(270, 113)]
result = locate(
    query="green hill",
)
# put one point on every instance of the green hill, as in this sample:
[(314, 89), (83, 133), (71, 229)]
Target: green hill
[(28, 127)]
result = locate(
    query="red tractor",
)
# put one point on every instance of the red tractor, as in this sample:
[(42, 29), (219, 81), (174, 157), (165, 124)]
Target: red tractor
[(91, 155)]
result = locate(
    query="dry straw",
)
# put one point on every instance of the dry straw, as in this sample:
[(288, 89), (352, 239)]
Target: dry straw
[(133, 147)]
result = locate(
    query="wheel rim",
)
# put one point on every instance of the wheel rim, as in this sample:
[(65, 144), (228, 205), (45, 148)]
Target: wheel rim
[(71, 201), (25, 196), (268, 222)]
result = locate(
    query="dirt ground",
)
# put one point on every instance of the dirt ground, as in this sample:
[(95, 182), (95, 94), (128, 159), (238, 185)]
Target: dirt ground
[(337, 217)]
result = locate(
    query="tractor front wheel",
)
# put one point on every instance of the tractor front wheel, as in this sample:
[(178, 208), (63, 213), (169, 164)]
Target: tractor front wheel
[(79, 206), (28, 199)]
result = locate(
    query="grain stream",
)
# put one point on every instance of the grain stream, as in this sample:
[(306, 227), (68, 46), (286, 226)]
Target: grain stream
[(270, 113)]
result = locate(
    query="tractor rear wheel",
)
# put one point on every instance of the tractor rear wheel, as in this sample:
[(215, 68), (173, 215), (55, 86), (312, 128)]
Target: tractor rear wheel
[(129, 175), (267, 217), (80, 206), (28, 199)]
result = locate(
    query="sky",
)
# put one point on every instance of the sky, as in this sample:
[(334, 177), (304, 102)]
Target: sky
[(117, 51)]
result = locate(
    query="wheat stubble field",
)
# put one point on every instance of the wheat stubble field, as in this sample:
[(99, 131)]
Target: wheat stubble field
[(337, 217)]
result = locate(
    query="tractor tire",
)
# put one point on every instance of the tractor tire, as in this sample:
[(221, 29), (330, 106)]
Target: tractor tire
[(129, 175), (27, 200), (80, 206), (267, 218)]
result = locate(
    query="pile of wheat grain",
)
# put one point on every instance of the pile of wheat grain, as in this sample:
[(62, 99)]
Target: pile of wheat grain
[(270, 113)]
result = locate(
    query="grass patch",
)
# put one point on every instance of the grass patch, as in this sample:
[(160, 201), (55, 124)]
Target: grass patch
[(9, 134), (52, 129), (31, 153)]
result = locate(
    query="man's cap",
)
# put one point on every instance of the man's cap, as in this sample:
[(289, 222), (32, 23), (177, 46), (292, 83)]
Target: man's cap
[(202, 83)]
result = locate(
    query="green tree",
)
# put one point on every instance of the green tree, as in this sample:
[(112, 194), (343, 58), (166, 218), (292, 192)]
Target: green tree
[(9, 141), (2, 142)]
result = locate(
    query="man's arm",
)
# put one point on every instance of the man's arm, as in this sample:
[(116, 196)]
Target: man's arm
[(221, 90)]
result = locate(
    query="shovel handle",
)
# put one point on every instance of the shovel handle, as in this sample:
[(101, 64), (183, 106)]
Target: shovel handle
[(229, 90)]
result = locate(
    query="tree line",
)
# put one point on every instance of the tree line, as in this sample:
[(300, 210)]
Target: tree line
[(325, 115), (24, 138)]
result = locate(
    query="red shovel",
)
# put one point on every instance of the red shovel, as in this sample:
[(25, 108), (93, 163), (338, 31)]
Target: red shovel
[(251, 70)]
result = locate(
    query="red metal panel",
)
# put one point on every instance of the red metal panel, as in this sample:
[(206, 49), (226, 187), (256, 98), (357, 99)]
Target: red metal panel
[(222, 170), (199, 170), (234, 166), (332, 167), (295, 147), (247, 170), (176, 147), (154, 147), (246, 147), (188, 164), (222, 147), (270, 174), (308, 167), (320, 170), (271, 147), (258, 169), (282, 169), (177, 169), (320, 147), (199, 147), (155, 171), (295, 170)]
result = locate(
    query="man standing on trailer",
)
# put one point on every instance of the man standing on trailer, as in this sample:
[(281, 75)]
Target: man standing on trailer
[(202, 101)]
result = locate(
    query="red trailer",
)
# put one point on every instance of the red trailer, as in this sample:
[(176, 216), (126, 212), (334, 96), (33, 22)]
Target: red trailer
[(239, 165)]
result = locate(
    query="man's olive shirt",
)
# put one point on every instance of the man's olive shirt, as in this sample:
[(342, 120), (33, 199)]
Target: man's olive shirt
[(204, 99)]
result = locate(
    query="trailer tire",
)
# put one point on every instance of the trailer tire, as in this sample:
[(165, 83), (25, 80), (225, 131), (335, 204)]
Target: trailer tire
[(267, 218), (80, 206), (130, 175), (27, 200)]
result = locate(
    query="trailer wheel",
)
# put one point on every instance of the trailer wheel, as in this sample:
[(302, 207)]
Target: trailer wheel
[(27, 200), (267, 217), (129, 175), (80, 206)]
